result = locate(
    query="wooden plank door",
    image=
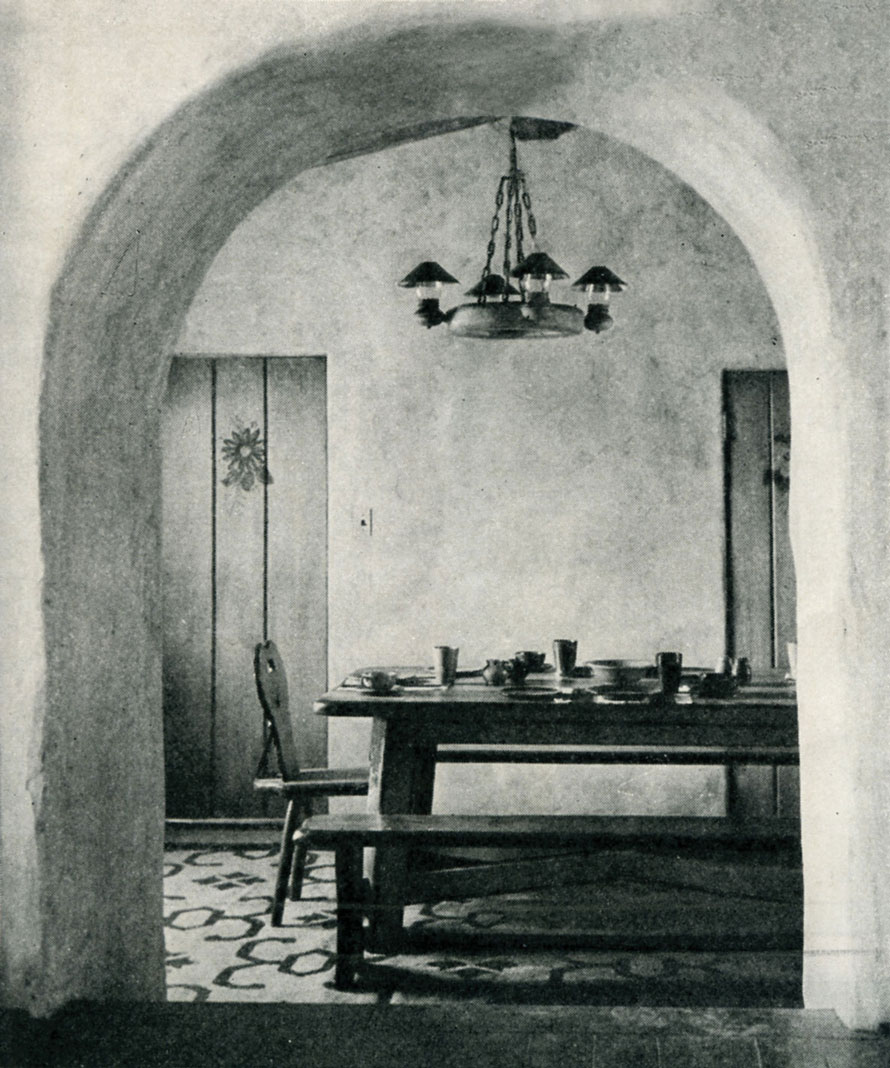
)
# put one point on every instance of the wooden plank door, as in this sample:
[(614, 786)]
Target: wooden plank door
[(760, 617), (760, 583), (244, 558)]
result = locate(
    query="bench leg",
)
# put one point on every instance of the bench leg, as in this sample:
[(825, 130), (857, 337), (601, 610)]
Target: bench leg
[(350, 918), (285, 859)]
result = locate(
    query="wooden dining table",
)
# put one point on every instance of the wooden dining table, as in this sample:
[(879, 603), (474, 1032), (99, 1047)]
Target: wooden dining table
[(547, 720)]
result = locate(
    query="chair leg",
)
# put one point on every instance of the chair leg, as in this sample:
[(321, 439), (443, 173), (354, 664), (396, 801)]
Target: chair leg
[(350, 914), (285, 860), (298, 867)]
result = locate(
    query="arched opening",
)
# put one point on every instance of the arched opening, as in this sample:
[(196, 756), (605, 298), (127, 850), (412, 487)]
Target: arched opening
[(117, 310)]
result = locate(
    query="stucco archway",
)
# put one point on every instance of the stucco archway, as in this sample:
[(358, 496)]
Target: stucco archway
[(116, 311)]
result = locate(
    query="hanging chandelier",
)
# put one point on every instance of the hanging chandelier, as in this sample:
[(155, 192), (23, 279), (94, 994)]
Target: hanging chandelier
[(501, 310)]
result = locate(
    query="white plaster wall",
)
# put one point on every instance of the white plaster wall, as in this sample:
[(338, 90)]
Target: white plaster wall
[(522, 490), (88, 80)]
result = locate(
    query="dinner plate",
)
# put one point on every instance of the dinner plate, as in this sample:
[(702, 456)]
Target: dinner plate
[(606, 696), (530, 693), (645, 687)]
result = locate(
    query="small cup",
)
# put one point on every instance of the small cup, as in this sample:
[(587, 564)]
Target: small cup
[(516, 670), (565, 653), (670, 671), (378, 681), (741, 670), (445, 665), (533, 661)]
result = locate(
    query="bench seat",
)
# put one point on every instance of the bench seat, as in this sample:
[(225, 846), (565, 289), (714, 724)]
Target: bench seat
[(348, 834), (617, 754)]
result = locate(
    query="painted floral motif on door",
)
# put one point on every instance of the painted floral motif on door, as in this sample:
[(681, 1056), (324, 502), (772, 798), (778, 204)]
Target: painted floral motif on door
[(245, 454)]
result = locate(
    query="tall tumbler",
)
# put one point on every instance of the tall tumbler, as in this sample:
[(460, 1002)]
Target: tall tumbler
[(445, 665), (565, 653), (670, 672)]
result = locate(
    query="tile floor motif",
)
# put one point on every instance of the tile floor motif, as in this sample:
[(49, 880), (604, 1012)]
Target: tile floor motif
[(221, 947)]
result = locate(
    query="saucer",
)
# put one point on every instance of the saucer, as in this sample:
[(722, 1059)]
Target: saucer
[(607, 696)]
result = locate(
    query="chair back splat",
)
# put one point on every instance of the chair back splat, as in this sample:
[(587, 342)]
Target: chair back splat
[(271, 685)]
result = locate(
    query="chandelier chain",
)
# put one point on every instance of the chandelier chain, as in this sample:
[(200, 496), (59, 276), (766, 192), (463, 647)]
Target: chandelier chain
[(495, 225), (517, 211), (513, 191), (508, 237), (527, 201)]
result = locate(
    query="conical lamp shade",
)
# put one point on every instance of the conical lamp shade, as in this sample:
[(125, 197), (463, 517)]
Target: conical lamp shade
[(428, 273), (493, 286), (600, 279), (538, 265)]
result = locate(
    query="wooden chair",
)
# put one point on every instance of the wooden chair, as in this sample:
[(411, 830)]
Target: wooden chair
[(298, 786)]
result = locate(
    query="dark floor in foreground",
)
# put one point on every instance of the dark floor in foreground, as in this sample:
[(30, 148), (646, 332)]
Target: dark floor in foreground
[(373, 1036)]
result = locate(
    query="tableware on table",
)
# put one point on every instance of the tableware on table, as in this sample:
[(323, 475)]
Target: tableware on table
[(378, 682), (621, 674), (533, 661), (635, 696), (516, 670), (445, 665), (741, 670), (714, 684), (494, 673), (670, 672), (415, 682), (530, 693), (565, 653)]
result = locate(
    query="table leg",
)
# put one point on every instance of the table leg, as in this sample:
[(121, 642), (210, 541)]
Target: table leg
[(402, 771), (348, 865)]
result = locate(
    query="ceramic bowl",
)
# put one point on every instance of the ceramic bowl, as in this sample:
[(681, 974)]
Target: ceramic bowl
[(623, 674)]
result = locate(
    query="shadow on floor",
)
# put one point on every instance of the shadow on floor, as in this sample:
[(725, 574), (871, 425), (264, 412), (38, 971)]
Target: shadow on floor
[(373, 1036)]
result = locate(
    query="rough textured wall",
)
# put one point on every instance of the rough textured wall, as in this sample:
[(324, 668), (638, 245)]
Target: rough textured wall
[(521, 490), (804, 95)]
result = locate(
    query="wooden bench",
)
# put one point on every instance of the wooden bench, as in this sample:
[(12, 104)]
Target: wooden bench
[(349, 834), (728, 755)]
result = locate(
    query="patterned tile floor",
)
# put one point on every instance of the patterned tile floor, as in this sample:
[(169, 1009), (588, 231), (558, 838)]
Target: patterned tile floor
[(221, 947)]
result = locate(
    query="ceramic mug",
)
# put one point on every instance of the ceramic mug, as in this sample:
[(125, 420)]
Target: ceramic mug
[(378, 681), (533, 661)]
